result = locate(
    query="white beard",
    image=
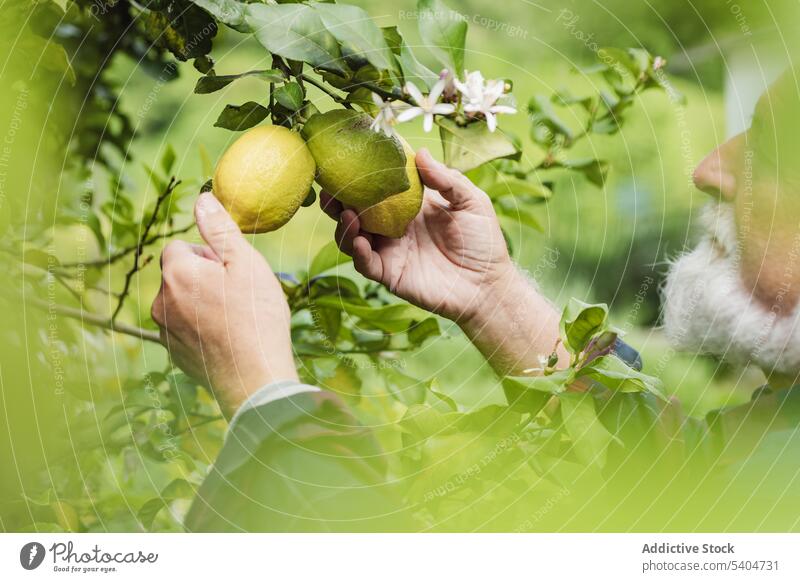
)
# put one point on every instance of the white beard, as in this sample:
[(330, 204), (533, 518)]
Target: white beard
[(708, 310)]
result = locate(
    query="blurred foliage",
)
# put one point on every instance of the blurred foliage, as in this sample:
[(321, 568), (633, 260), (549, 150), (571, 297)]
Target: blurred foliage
[(103, 434)]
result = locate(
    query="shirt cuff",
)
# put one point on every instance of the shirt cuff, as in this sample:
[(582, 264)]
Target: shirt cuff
[(270, 393)]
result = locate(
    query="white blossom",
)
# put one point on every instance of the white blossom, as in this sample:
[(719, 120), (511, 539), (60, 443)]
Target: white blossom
[(481, 96), (386, 117), (426, 105)]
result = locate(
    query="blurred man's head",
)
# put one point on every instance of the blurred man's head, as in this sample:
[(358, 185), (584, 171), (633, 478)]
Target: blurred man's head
[(736, 294)]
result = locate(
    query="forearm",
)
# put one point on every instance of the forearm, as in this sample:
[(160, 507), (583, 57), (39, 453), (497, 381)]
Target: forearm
[(514, 326)]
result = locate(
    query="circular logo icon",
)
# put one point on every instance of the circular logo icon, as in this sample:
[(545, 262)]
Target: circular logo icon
[(31, 555)]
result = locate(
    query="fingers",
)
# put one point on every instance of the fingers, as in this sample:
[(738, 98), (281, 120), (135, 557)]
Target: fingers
[(157, 312), (218, 229), (367, 261), (179, 250), (346, 231), (330, 205), (451, 184)]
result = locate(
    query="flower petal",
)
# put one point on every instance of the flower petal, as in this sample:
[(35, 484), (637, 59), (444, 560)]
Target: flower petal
[(442, 109), (415, 93), (427, 124), (502, 109), (436, 91), (491, 121), (410, 113)]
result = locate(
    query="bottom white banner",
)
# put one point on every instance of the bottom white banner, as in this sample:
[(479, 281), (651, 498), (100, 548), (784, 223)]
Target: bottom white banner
[(389, 557)]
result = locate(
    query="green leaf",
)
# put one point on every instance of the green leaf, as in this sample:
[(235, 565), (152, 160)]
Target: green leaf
[(310, 198), (229, 12), (545, 122), (509, 206), (327, 258), (333, 285), (177, 489), (419, 332), (403, 388), (614, 374), (491, 420), (590, 439), (441, 401), (183, 391), (168, 159), (186, 33), (622, 61), (444, 32), (241, 117), (596, 171), (290, 96), (328, 320), (580, 322), (211, 83), (395, 317), (352, 26), (529, 394), (339, 375), (465, 148), (554, 383), (522, 188), (421, 421), (393, 38), (413, 70), (295, 31)]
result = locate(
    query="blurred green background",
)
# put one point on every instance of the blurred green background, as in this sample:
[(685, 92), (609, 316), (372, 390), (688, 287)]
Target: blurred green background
[(610, 244)]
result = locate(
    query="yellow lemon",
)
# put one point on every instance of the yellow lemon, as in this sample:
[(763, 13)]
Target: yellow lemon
[(391, 217), (263, 178), (355, 165)]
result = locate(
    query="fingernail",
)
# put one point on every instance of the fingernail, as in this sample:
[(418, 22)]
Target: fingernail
[(207, 203)]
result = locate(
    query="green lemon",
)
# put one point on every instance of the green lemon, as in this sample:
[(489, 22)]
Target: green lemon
[(391, 217), (355, 165), (263, 178)]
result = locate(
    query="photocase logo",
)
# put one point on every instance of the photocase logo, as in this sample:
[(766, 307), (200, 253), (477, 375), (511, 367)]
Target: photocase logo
[(31, 555)]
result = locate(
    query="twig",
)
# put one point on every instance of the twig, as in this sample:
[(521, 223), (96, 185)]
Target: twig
[(396, 95), (96, 320), (173, 183), (122, 253), (324, 89)]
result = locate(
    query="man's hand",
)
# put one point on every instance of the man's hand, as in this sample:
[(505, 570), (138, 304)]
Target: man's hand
[(453, 261), (222, 313), (452, 255)]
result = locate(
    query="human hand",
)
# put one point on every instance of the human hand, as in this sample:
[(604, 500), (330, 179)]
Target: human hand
[(222, 312), (452, 256), (453, 261)]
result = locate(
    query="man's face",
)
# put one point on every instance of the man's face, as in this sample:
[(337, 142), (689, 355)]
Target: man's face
[(736, 294)]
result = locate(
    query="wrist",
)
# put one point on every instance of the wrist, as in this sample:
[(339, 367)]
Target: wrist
[(500, 293), (234, 391), (514, 326)]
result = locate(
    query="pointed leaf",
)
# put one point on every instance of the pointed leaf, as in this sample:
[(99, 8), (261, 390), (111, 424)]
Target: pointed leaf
[(241, 117), (580, 322), (352, 26), (295, 31), (444, 32), (212, 83), (467, 147)]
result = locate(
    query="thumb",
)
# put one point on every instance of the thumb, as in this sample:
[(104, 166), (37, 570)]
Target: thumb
[(454, 186), (218, 229)]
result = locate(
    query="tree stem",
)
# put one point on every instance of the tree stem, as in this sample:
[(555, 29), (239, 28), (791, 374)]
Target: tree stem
[(96, 320)]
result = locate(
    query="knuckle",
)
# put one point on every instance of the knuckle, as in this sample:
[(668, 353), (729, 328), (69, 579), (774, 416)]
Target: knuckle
[(157, 311)]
